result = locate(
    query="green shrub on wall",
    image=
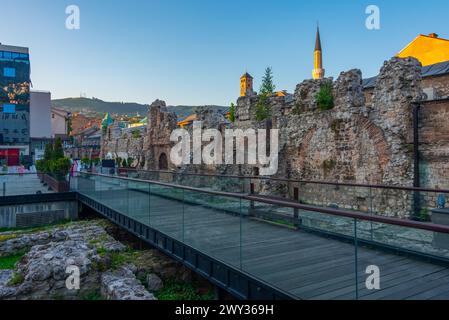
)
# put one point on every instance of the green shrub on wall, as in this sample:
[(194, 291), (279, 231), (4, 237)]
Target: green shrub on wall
[(325, 97), (232, 113)]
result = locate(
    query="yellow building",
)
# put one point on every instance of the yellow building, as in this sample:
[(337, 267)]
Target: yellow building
[(246, 85), (427, 49), (187, 121), (318, 71)]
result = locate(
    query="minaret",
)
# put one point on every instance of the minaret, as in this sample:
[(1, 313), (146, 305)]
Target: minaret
[(318, 71)]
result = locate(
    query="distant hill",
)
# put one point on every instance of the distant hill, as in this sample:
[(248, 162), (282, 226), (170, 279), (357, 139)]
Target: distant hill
[(97, 106)]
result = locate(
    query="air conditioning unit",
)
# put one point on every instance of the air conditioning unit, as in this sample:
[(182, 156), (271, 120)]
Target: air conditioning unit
[(430, 93)]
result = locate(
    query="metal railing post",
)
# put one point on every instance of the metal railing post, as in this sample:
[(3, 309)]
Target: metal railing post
[(296, 210), (251, 206)]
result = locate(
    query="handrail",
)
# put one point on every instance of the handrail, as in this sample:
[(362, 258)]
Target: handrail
[(286, 203), (344, 184)]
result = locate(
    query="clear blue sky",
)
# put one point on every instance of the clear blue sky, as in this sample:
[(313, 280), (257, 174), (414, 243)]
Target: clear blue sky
[(194, 51)]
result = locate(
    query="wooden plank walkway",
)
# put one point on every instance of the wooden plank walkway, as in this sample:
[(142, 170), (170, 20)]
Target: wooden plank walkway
[(304, 264)]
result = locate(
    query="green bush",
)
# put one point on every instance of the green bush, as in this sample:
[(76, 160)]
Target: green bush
[(325, 98), (41, 166), (60, 167), (85, 162), (136, 134), (54, 162)]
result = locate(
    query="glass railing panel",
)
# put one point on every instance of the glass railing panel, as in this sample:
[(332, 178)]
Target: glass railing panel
[(138, 202), (212, 224), (389, 273), (24, 184), (84, 183), (113, 193), (166, 209), (304, 263)]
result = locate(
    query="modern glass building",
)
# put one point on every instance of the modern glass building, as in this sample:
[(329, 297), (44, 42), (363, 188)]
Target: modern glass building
[(14, 105)]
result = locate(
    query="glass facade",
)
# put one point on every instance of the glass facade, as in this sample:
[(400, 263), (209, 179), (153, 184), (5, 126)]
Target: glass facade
[(14, 98)]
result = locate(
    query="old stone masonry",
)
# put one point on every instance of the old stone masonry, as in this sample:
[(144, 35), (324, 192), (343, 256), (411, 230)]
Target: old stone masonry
[(366, 138), (107, 268)]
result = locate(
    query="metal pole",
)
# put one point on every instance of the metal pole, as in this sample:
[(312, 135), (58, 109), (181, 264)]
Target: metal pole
[(416, 173), (356, 261)]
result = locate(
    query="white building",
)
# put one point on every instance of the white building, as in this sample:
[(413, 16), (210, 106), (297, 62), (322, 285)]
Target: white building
[(59, 122)]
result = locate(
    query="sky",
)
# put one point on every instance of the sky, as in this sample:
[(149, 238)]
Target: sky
[(193, 52)]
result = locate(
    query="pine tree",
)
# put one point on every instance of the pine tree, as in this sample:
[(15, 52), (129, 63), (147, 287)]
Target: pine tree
[(232, 113), (267, 86), (48, 153), (58, 151)]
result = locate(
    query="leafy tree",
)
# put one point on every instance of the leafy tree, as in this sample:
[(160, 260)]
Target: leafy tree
[(325, 97), (232, 113), (267, 86)]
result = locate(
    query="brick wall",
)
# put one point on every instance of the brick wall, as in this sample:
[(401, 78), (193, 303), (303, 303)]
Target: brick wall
[(434, 144)]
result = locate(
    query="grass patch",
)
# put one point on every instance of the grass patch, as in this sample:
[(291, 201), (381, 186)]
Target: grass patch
[(5, 237), (9, 262), (37, 229), (16, 279), (15, 232), (119, 259), (174, 290), (92, 295)]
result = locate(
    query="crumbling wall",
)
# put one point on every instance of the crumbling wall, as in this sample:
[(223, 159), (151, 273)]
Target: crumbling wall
[(157, 144), (358, 141), (434, 144), (353, 142)]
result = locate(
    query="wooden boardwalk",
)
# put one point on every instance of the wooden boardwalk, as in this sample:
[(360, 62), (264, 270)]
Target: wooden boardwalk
[(306, 265)]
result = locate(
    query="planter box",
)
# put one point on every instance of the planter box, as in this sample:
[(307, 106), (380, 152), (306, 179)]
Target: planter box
[(56, 185)]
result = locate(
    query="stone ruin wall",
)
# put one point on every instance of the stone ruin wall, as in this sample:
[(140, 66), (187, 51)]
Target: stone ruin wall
[(358, 141), (434, 144), (353, 142), (439, 83)]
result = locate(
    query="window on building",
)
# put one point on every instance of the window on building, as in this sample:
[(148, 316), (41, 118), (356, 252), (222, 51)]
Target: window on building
[(52, 115), (9, 72), (7, 55), (9, 108)]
